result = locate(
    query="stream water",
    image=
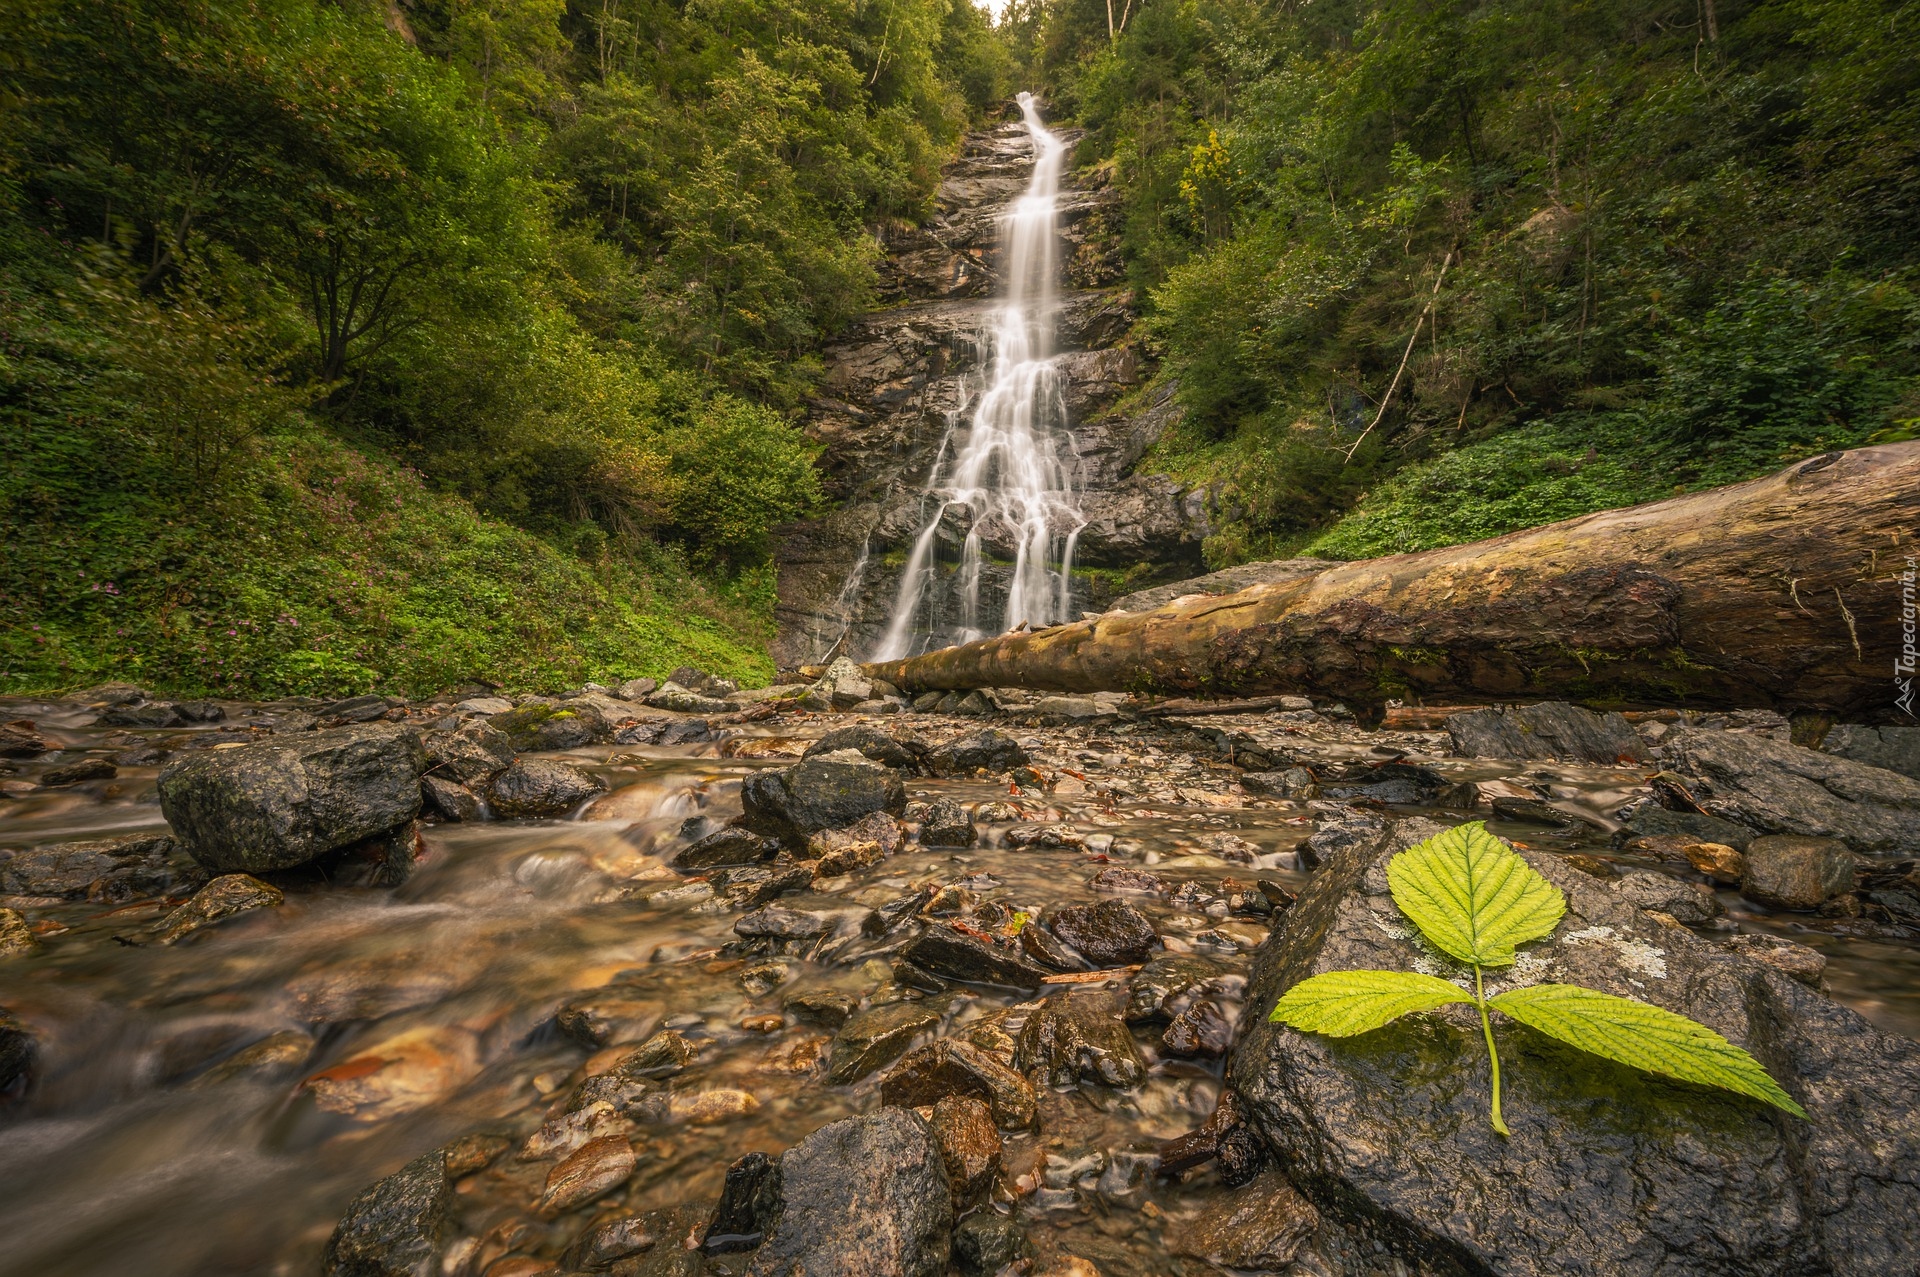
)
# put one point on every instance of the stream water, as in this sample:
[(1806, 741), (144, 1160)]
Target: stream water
[(397, 1020), (1000, 471)]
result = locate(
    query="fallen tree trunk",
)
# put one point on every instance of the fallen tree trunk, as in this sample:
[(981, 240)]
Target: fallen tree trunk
[(1781, 592)]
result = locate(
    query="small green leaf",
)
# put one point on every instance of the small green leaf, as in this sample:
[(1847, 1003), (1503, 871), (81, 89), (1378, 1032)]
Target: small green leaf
[(1643, 1036), (1473, 896), (1343, 1003)]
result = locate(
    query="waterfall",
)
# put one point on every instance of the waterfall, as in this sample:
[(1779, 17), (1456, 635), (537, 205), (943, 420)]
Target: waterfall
[(1000, 467)]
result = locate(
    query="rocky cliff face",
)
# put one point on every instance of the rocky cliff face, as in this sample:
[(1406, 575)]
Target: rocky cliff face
[(898, 378)]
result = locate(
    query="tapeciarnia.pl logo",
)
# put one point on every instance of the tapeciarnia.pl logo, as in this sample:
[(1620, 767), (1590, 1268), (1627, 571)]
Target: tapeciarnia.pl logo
[(1903, 664)]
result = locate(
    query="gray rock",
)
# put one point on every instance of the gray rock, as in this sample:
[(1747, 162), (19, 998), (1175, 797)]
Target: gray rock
[(818, 794), (450, 801), (1107, 933), (637, 689), (692, 678), (1608, 1170), (991, 749), (871, 1040), (544, 724), (1796, 873), (393, 1229), (275, 805), (472, 752), (484, 705), (1779, 788), (683, 700), (1552, 729), (22, 739), (749, 1206), (1896, 749), (1802, 962), (886, 750), (781, 924), (843, 685), (946, 952), (111, 694), (1072, 709), (225, 896), (866, 1195), (124, 868), (1078, 1038), (730, 846), (540, 787), (1682, 901), (948, 824)]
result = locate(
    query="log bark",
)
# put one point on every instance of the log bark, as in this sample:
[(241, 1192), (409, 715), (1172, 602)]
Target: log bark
[(1782, 592)]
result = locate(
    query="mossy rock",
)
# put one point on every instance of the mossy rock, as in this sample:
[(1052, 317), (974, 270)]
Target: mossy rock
[(541, 725)]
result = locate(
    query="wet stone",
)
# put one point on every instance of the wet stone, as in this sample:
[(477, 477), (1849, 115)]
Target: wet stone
[(963, 1127), (864, 1195), (22, 739), (749, 1205), (83, 869), (537, 787), (450, 801), (990, 750), (476, 1152), (1796, 873), (985, 1244), (1201, 1030), (1078, 1038), (947, 824), (1553, 729), (1108, 933), (393, 1229), (750, 886), (946, 1068), (946, 952), (870, 1040), (827, 1007), (591, 1171), (1719, 862), (607, 1016), (549, 725), (887, 750), (818, 794), (78, 773), (782, 924), (276, 1056), (1127, 880), (469, 754), (1652, 821), (1259, 1227), (19, 1051), (1801, 962), (272, 806), (1292, 782), (224, 897), (861, 845), (730, 846)]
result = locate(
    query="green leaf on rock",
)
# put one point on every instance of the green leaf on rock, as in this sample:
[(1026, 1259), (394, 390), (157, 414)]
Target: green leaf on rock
[(1343, 1003), (1643, 1036), (1472, 896)]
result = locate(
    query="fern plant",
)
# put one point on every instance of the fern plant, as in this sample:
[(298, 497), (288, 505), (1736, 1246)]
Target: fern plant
[(1475, 899)]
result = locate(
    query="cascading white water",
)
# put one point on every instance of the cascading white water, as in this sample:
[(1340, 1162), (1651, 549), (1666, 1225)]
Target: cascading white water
[(1006, 473)]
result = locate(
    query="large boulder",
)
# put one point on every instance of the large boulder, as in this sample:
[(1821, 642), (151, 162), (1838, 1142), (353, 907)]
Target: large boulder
[(1608, 1170), (547, 724), (865, 1195), (283, 803), (888, 751), (469, 754), (1553, 729), (1790, 872), (1779, 788), (819, 793)]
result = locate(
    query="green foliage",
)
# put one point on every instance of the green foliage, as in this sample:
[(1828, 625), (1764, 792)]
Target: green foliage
[(1701, 241), (566, 263), (1474, 899)]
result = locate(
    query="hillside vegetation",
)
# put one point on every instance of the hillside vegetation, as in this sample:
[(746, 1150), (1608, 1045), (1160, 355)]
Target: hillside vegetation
[(1430, 271), (364, 343)]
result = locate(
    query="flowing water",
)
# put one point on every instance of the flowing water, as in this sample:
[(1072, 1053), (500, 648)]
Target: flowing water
[(1000, 471), (407, 1018)]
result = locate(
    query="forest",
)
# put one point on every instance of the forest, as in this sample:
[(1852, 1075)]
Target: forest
[(359, 343)]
